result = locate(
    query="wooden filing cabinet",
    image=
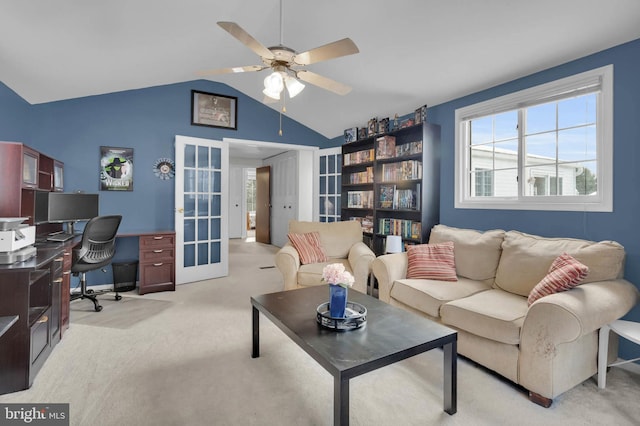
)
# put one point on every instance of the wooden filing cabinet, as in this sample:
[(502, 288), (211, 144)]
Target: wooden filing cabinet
[(157, 262)]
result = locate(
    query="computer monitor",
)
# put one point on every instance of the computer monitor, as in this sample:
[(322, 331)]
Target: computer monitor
[(65, 207)]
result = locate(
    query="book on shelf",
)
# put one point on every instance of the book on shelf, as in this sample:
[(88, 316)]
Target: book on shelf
[(403, 170), (358, 157), (409, 148), (387, 194), (362, 177), (360, 199), (403, 227), (366, 223), (385, 147)]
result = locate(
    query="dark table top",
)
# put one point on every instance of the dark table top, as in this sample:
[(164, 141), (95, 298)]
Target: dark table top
[(390, 334)]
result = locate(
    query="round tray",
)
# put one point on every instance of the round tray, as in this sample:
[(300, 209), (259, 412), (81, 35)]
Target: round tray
[(355, 317)]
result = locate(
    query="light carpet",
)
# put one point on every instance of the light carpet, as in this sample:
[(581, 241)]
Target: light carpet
[(189, 363)]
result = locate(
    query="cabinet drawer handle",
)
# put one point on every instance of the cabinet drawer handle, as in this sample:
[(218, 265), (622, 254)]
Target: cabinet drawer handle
[(66, 254), (58, 259), (158, 237), (66, 273), (42, 319), (158, 264), (58, 280), (158, 251)]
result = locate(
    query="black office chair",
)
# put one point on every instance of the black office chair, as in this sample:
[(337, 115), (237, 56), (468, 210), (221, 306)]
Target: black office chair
[(96, 251)]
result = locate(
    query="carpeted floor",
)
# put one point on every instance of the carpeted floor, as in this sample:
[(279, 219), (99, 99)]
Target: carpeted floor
[(184, 358)]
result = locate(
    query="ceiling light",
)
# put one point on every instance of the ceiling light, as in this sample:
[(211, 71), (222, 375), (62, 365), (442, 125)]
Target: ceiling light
[(273, 85), (293, 86)]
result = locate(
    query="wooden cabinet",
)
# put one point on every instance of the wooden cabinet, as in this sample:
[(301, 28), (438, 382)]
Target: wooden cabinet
[(65, 288), (157, 262), (24, 171), (30, 291), (390, 183)]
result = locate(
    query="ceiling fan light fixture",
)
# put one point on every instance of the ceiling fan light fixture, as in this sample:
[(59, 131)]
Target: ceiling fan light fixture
[(272, 95), (294, 87), (273, 83)]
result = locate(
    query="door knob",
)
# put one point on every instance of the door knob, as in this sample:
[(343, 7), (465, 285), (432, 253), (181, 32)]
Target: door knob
[(180, 210)]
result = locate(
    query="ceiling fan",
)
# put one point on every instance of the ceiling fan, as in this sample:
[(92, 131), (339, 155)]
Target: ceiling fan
[(287, 64)]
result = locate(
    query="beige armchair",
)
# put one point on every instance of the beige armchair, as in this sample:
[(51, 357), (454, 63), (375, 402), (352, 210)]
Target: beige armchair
[(342, 243)]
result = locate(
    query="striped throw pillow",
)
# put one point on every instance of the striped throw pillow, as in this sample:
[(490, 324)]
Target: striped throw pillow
[(308, 247), (564, 274), (432, 262)]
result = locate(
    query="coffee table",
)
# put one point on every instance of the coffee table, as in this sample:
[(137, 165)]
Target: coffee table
[(390, 335)]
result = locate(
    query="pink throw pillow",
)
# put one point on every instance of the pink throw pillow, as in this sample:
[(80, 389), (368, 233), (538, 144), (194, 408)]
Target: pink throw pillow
[(564, 274), (308, 247), (432, 262)]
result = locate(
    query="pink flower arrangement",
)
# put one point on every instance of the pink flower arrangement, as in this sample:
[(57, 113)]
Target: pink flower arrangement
[(336, 274)]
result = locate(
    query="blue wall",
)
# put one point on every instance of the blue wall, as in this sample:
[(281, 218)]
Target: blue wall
[(622, 224), (14, 116)]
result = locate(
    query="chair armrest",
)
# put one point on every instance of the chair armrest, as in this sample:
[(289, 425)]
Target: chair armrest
[(387, 269), (568, 315), (288, 262), (360, 257)]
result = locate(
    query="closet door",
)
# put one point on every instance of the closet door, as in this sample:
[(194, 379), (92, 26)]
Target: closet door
[(284, 195)]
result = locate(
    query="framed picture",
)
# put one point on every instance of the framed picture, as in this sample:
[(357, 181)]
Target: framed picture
[(372, 127), (420, 115), (383, 125), (351, 135), (362, 133), (209, 109), (116, 169)]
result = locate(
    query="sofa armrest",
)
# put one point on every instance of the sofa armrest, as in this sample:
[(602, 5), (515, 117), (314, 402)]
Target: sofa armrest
[(288, 262), (360, 257), (558, 340), (387, 269), (568, 315)]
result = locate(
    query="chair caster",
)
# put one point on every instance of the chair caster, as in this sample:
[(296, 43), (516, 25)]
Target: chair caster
[(90, 291), (98, 308), (118, 297)]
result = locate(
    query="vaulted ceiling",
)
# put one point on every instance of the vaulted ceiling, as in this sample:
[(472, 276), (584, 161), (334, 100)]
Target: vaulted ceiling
[(412, 52)]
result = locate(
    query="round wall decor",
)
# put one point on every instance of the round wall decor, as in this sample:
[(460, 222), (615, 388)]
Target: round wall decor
[(164, 168)]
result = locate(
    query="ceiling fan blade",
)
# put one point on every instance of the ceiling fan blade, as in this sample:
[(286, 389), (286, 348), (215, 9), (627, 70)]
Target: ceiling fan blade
[(249, 68), (323, 82), (336, 49), (245, 38)]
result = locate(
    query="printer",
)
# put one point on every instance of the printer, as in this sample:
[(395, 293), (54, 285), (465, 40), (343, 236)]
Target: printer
[(16, 240)]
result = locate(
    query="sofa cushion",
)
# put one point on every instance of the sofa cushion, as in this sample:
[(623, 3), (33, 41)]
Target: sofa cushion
[(311, 274), (432, 262), (336, 238), (308, 247), (476, 253), (492, 314), (526, 260), (564, 274), (429, 295)]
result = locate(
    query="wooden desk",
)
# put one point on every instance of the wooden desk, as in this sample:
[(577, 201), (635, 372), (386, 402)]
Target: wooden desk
[(30, 291)]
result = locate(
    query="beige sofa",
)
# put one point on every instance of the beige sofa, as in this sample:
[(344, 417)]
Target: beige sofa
[(547, 347), (342, 243)]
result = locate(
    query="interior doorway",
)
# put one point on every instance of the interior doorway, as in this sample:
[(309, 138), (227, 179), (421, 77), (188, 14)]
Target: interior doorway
[(250, 199)]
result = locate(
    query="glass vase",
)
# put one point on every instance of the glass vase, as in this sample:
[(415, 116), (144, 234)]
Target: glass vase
[(337, 300)]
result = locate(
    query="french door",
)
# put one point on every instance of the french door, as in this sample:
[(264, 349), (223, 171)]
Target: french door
[(328, 184), (201, 209)]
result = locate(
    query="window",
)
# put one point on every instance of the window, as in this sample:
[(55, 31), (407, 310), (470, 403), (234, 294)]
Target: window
[(549, 147)]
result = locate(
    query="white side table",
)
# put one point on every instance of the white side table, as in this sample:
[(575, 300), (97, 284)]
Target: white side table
[(629, 330)]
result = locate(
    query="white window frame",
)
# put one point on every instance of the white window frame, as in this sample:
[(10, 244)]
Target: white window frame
[(553, 91)]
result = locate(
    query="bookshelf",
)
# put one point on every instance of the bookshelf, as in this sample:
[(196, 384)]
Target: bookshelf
[(391, 184)]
